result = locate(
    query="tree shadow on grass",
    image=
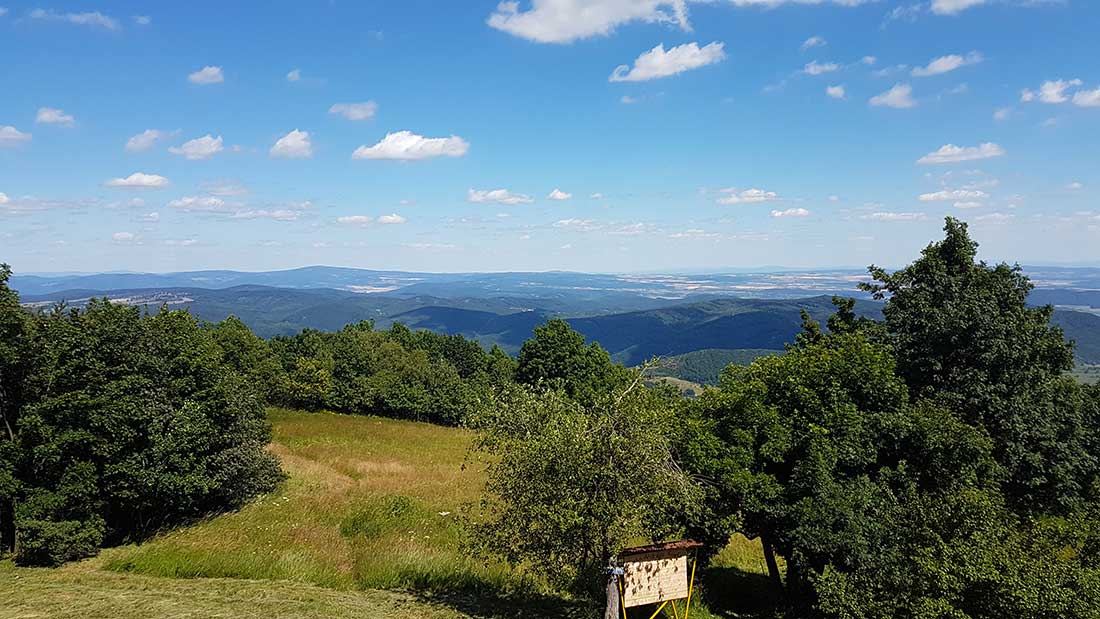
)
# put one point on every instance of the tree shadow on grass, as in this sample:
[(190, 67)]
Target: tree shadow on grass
[(494, 606), (732, 592)]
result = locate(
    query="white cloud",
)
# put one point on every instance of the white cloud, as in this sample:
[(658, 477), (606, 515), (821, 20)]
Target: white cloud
[(658, 63), (200, 148), (834, 198), (969, 205), (501, 196), (791, 212), (294, 145), (951, 7), (627, 99), (207, 75), (355, 220), (1051, 91), (558, 194), (596, 196), (747, 196), (139, 180), (945, 64), (355, 111), (814, 41), (4, 199), (694, 233), (277, 214), (200, 203), (949, 153), (92, 19), (869, 60), (1075, 185), (54, 116), (432, 246), (123, 237), (1002, 114), (1087, 98), (564, 21), (391, 219), (995, 217), (10, 136), (888, 216), (294, 75), (900, 97), (145, 140), (407, 146), (152, 218), (142, 20), (580, 225), (634, 229), (948, 195), (836, 92), (817, 68)]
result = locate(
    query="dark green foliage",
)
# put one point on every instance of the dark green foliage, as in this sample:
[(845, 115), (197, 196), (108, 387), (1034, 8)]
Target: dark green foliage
[(964, 336), (557, 357), (129, 423), (397, 373), (704, 366)]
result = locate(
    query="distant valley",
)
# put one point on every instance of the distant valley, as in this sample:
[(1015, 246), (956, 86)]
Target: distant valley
[(635, 317)]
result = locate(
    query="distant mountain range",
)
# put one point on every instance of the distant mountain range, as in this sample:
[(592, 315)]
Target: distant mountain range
[(635, 317)]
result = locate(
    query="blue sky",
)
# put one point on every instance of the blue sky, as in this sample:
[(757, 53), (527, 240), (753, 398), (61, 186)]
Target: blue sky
[(426, 135)]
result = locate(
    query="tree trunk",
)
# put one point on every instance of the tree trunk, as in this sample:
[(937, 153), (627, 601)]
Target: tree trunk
[(773, 567), (611, 610)]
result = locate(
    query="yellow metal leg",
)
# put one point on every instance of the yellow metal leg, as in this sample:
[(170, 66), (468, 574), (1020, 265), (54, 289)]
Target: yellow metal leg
[(691, 585), (656, 612), (622, 598), (675, 615)]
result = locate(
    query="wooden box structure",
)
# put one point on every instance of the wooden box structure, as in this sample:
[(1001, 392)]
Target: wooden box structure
[(657, 573)]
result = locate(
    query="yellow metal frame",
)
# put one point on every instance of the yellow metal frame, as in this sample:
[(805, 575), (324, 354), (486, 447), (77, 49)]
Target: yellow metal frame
[(675, 615)]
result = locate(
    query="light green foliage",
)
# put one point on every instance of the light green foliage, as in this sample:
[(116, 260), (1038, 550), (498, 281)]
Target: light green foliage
[(570, 483)]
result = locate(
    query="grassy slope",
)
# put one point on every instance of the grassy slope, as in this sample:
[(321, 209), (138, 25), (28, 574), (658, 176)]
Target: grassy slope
[(371, 504)]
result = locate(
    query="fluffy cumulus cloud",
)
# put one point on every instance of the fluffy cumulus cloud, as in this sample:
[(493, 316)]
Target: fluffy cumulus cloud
[(145, 140), (1051, 91), (748, 196), (408, 146), (658, 62), (294, 76), (10, 136), (891, 216), (207, 75), (559, 195), (947, 195), (139, 180), (949, 153), (92, 19), (899, 97), (814, 41), (391, 219), (499, 196), (355, 111), (4, 199), (200, 203), (951, 7), (564, 21), (294, 145), (142, 20), (791, 212), (200, 148), (836, 92), (1002, 113), (945, 64), (818, 68), (579, 225), (1087, 98), (54, 116)]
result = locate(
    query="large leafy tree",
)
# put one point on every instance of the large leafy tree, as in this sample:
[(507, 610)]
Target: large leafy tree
[(570, 483), (964, 335), (135, 423), (557, 357), (16, 365)]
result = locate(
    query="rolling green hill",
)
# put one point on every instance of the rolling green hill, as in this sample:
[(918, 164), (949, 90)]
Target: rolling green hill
[(704, 366)]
